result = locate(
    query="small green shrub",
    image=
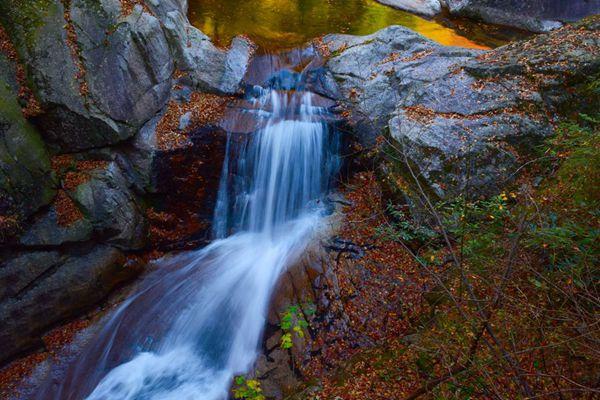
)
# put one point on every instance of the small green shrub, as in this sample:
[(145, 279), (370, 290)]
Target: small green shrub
[(566, 225), (402, 228), (247, 389), (293, 322)]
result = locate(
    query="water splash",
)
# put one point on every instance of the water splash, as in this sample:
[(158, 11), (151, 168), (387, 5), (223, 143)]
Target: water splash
[(197, 320)]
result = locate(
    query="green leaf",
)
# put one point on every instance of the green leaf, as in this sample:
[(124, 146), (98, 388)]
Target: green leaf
[(286, 341)]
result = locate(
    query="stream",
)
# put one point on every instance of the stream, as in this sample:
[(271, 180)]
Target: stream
[(286, 24)]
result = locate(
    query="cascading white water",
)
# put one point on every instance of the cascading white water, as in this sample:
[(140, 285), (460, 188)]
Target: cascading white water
[(197, 321), (281, 170)]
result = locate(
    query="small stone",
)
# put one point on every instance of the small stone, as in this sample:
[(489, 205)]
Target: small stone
[(184, 121)]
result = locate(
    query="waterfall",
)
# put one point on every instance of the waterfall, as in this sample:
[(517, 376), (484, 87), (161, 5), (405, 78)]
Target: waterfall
[(280, 171), (197, 321)]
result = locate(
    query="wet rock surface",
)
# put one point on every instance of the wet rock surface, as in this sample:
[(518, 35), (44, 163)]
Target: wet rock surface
[(311, 285), (348, 287)]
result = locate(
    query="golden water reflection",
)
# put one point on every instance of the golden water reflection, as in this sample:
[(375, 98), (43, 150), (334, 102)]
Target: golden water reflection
[(275, 24)]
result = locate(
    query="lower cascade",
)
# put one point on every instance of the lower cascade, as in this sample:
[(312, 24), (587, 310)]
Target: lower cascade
[(197, 320)]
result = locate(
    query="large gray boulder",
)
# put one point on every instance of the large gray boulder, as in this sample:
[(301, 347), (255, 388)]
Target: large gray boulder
[(127, 62), (462, 155), (54, 76), (98, 75), (207, 67), (460, 121), (378, 72), (532, 15)]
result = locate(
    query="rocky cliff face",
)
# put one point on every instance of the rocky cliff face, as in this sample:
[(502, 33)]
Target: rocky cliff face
[(91, 95)]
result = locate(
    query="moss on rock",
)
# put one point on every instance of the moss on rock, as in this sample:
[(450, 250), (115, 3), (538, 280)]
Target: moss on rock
[(25, 177), (22, 19)]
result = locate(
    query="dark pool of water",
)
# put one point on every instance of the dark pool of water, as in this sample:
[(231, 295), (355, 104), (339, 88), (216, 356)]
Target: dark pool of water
[(278, 24)]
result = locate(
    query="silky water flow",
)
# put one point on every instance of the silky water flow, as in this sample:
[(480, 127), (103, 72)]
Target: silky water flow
[(197, 320)]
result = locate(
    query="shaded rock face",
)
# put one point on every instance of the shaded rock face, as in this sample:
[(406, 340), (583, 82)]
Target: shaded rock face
[(47, 231), (84, 86), (188, 183), (112, 209), (532, 15), (42, 288), (25, 180), (463, 121)]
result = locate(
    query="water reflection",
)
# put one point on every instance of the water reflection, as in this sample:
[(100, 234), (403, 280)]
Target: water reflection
[(274, 24)]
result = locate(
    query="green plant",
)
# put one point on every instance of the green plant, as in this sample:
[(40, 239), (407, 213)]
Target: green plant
[(248, 389), (565, 228), (293, 322), (402, 228)]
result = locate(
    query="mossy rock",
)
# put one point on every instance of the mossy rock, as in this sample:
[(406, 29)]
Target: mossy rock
[(591, 23), (22, 19), (25, 176)]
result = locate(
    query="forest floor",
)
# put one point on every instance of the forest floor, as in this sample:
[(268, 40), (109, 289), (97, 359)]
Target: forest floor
[(496, 298)]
